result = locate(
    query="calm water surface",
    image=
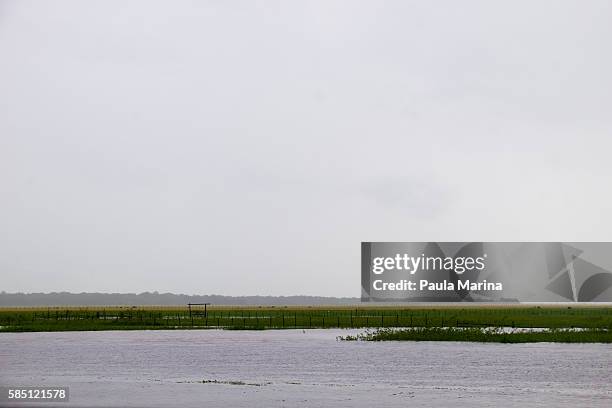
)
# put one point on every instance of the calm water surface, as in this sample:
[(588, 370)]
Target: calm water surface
[(296, 368)]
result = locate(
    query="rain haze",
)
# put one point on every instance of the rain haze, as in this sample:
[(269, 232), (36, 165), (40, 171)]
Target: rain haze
[(247, 148)]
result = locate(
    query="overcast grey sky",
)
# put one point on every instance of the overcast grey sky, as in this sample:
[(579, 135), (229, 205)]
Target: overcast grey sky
[(249, 147)]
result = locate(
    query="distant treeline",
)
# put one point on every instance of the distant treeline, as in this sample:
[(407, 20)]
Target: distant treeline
[(155, 298)]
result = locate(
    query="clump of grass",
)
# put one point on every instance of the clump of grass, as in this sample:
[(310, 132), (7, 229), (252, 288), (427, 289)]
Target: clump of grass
[(235, 383), (489, 335)]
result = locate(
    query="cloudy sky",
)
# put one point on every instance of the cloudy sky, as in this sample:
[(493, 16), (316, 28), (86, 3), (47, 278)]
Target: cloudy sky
[(245, 148)]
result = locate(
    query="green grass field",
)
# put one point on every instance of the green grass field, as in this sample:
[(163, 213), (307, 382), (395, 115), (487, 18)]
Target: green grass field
[(266, 317)]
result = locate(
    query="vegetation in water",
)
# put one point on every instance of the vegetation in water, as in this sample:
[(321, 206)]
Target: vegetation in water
[(485, 335)]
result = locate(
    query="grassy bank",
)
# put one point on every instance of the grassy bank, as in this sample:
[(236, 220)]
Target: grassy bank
[(139, 318), (485, 335)]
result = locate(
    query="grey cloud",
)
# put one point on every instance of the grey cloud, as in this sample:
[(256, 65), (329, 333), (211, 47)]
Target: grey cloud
[(154, 146)]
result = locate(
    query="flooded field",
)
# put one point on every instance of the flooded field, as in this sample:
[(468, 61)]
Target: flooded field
[(302, 368)]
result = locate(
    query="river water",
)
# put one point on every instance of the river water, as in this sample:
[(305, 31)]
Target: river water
[(226, 368)]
